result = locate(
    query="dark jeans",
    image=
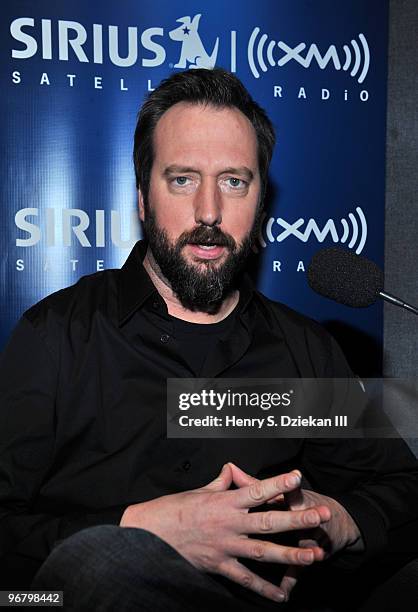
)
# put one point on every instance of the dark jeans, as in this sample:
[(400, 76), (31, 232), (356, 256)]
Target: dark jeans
[(109, 568)]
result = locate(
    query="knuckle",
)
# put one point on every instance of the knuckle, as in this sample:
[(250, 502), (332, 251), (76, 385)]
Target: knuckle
[(208, 562), (311, 517), (293, 557), (246, 580), (279, 483), (259, 550), (256, 491), (296, 520), (266, 521)]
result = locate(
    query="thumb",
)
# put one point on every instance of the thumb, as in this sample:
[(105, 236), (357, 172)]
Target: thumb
[(223, 481), (295, 499)]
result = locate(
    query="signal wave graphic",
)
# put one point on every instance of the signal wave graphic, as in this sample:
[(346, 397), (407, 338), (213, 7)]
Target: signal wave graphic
[(353, 231), (353, 60)]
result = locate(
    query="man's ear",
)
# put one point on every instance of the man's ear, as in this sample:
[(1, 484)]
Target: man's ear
[(141, 206)]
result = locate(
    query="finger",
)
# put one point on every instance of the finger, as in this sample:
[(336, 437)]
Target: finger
[(260, 491), (242, 479), (277, 521), (320, 538), (235, 571), (267, 552), (289, 580), (223, 481)]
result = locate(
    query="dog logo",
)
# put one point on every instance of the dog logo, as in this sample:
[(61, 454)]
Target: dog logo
[(192, 49)]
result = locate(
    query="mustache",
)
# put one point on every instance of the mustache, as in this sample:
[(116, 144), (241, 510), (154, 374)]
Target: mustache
[(207, 236)]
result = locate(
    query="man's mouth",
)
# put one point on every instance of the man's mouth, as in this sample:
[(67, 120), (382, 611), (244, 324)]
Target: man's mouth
[(207, 251)]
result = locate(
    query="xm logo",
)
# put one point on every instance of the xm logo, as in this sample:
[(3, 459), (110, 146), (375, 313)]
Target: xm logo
[(192, 49), (355, 231), (352, 58)]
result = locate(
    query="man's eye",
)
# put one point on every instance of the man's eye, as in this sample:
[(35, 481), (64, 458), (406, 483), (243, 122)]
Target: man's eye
[(180, 180), (236, 182)]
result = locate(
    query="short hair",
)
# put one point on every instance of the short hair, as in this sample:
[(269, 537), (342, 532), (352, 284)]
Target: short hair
[(215, 87)]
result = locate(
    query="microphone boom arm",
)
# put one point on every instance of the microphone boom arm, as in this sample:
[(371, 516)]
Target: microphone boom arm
[(397, 302)]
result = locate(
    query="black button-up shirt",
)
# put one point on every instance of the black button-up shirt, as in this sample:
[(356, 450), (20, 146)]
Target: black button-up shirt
[(83, 414)]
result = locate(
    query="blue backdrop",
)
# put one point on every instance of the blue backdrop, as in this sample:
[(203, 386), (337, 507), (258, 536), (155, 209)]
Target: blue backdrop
[(74, 75)]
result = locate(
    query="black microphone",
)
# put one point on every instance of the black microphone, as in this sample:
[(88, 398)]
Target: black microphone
[(349, 279)]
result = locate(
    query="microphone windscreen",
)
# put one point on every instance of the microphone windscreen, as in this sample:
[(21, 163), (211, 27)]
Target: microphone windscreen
[(347, 278)]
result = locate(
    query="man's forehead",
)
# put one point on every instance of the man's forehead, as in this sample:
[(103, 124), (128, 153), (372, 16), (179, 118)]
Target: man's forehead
[(187, 110), (193, 131)]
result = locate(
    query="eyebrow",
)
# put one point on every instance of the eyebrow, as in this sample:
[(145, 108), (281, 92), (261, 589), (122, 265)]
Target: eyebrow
[(240, 171)]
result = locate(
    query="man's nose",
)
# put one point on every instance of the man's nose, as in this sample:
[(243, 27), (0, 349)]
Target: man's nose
[(208, 204)]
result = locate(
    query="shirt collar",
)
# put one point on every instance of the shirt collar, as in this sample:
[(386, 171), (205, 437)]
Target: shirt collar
[(135, 286)]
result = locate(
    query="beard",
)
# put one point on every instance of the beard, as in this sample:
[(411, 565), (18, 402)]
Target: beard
[(204, 286)]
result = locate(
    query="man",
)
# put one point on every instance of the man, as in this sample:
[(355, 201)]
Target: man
[(124, 517)]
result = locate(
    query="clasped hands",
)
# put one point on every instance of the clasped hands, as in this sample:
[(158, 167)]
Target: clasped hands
[(210, 526)]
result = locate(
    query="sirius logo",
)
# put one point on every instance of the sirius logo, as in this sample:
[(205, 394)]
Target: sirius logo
[(352, 58), (68, 39), (355, 231), (192, 50)]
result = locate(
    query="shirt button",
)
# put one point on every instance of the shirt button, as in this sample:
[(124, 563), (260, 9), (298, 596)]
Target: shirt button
[(186, 466), (155, 305), (165, 338)]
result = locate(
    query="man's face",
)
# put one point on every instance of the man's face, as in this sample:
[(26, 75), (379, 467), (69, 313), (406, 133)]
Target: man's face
[(202, 202)]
